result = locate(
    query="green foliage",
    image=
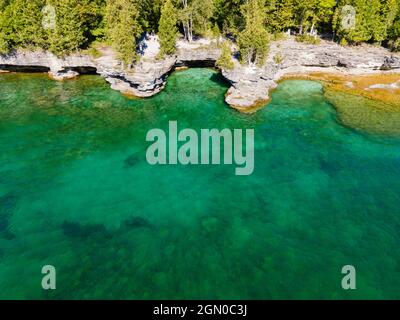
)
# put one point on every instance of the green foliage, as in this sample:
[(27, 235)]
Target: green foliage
[(225, 60), (228, 16), (306, 38), (215, 32), (343, 42), (150, 13), (79, 23), (123, 27), (195, 17), (278, 58), (280, 15), (278, 36), (394, 32), (253, 41), (168, 31), (20, 25), (374, 19), (68, 35)]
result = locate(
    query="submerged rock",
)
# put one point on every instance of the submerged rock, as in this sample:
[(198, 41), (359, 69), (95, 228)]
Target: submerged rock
[(132, 160), (84, 231), (138, 222), (63, 75)]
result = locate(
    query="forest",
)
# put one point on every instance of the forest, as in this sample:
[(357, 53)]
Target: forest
[(252, 24)]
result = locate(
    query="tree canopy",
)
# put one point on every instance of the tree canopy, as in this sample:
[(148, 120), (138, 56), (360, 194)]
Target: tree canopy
[(80, 23)]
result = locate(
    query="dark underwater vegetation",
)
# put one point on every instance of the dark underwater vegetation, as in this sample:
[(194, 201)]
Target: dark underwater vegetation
[(77, 193)]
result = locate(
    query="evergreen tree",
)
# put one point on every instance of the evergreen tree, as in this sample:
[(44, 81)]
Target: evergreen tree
[(384, 17), (81, 22), (368, 21), (203, 11), (307, 14), (228, 16), (225, 60), (150, 13), (5, 28), (280, 15), (253, 41), (21, 25), (394, 31), (123, 27), (195, 17), (68, 35), (167, 28)]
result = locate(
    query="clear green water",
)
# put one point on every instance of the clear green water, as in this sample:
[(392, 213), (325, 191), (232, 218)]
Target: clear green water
[(76, 192)]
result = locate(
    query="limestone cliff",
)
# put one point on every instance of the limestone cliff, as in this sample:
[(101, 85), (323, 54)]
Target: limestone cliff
[(250, 85)]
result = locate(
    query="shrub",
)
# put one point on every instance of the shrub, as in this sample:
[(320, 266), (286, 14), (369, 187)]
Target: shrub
[(225, 60), (278, 58), (306, 38), (278, 36), (394, 45), (343, 42)]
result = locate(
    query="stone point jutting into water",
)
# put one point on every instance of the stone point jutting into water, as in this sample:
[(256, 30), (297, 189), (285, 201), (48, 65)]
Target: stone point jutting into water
[(250, 86)]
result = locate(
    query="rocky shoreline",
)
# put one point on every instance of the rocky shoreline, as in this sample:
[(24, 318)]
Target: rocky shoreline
[(250, 86)]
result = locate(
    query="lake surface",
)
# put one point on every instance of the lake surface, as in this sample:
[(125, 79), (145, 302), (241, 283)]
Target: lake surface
[(77, 193)]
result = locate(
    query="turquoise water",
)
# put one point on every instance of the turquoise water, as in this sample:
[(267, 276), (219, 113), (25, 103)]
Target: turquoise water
[(77, 193)]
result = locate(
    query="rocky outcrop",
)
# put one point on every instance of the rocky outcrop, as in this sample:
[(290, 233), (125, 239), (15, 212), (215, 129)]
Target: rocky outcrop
[(251, 85), (147, 77)]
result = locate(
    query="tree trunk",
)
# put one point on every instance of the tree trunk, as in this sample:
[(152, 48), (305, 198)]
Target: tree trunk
[(312, 28), (190, 28), (186, 23)]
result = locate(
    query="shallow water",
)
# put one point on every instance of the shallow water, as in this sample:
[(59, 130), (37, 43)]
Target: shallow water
[(76, 192)]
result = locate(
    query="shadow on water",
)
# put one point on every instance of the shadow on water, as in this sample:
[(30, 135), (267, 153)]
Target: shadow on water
[(219, 79)]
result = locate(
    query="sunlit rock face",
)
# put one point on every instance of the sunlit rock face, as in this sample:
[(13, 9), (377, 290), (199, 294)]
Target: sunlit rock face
[(251, 85)]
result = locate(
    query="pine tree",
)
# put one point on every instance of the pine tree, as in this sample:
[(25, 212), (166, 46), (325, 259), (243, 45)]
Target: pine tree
[(384, 17), (167, 28), (228, 15), (123, 27), (68, 35), (81, 22), (21, 25), (203, 11), (225, 60), (195, 17), (394, 31), (253, 41), (280, 15), (367, 20)]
